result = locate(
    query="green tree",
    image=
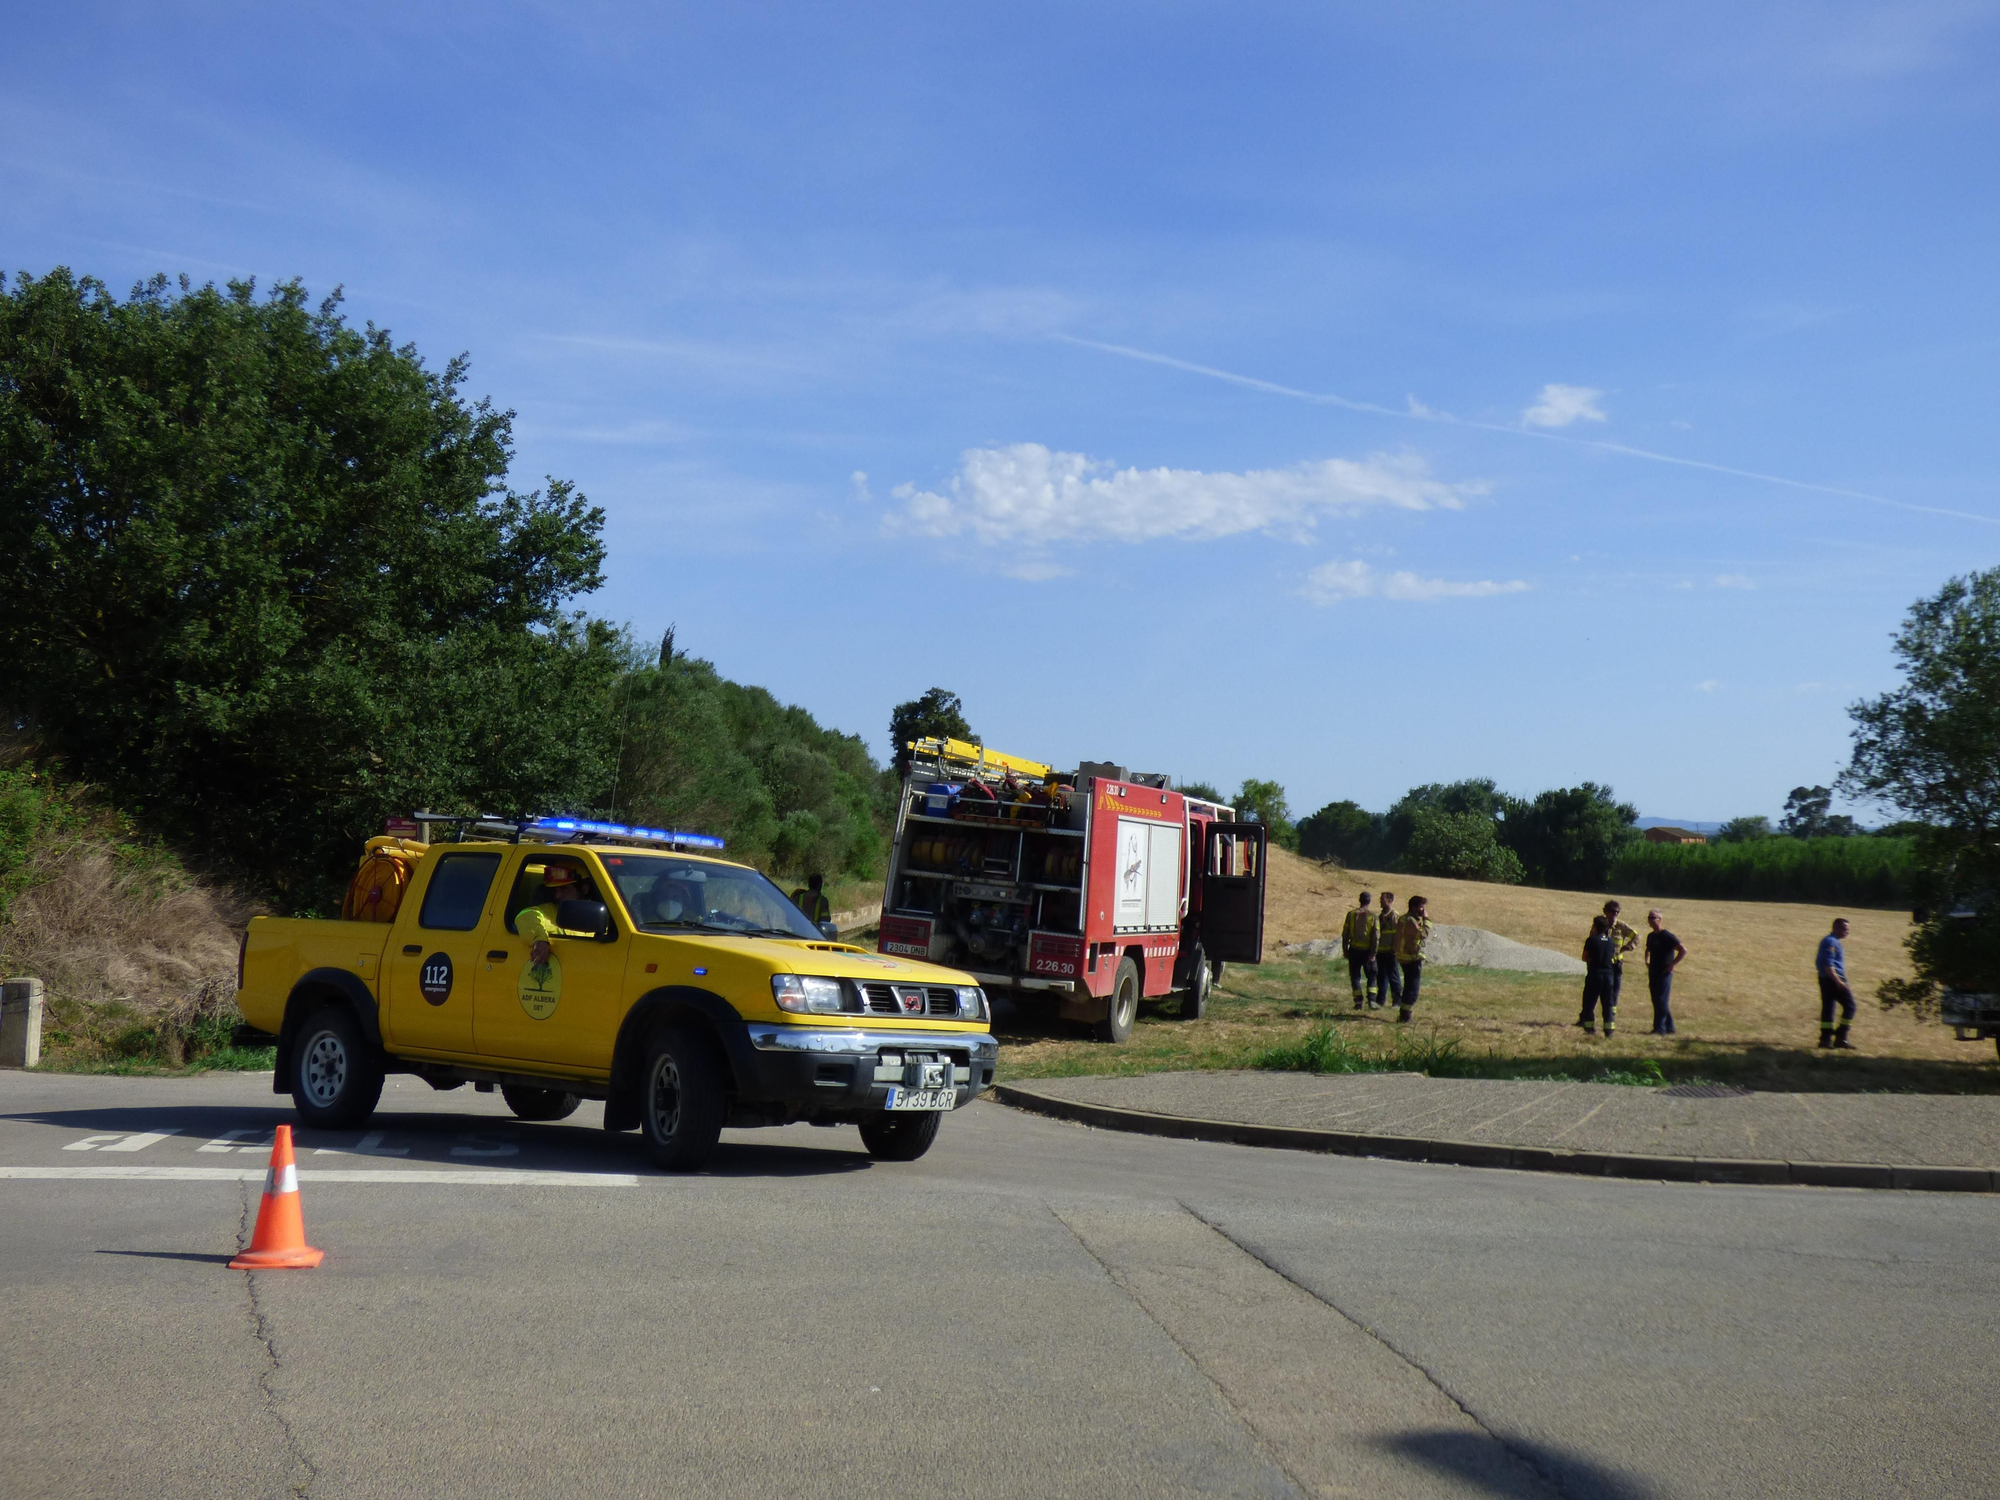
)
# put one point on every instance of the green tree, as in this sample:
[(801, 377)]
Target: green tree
[(1478, 796), (266, 581), (1202, 790), (1744, 830), (1569, 837), (1461, 846), (1932, 749), (937, 714), (1343, 831), (1809, 815), (713, 756), (1265, 801)]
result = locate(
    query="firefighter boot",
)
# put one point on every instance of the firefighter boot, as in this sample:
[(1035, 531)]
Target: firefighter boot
[(1840, 1041), (1826, 1036), (1403, 1014)]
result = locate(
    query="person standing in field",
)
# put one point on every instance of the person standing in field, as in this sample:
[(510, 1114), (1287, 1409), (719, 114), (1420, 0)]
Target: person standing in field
[(1357, 946), (1831, 963), (1663, 955), (1624, 939), (1598, 952), (1387, 980), (1411, 933)]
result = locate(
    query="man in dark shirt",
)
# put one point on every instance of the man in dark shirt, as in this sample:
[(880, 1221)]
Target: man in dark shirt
[(1663, 954)]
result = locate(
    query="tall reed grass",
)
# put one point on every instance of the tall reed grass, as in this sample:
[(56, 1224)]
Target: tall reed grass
[(1864, 870)]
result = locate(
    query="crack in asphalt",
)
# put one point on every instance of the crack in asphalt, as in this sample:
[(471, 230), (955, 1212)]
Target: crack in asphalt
[(260, 1330), (1299, 1482), (1524, 1458)]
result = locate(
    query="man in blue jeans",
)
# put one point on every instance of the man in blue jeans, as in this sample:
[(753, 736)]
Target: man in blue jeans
[(1831, 964), (1663, 955)]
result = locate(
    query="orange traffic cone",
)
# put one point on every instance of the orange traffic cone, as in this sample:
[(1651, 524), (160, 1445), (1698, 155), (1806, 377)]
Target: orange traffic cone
[(280, 1237)]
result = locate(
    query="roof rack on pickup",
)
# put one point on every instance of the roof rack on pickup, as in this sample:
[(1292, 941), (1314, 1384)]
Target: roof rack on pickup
[(559, 830)]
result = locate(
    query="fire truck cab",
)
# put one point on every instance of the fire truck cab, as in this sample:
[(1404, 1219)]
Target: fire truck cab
[(1092, 888)]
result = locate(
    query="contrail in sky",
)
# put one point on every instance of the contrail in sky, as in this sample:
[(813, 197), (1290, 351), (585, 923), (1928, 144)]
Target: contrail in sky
[(1419, 414)]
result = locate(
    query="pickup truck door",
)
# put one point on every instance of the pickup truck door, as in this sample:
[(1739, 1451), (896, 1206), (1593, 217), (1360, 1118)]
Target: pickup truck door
[(434, 961), (569, 1017)]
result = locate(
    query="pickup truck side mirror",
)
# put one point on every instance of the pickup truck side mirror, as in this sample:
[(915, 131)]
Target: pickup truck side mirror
[(830, 932), (592, 917)]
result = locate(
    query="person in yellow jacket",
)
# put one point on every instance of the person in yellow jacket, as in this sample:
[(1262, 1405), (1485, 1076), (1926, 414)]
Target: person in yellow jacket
[(1357, 946), (1411, 934), (1388, 981), (1624, 939), (537, 923), (811, 900)]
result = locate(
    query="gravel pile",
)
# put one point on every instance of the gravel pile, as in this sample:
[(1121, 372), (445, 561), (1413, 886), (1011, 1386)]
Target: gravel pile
[(1467, 948)]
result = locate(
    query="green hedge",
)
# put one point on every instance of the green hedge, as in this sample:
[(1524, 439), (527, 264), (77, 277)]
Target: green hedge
[(1858, 871)]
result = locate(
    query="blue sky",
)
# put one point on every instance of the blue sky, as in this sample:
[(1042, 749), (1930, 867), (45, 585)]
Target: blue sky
[(1309, 392)]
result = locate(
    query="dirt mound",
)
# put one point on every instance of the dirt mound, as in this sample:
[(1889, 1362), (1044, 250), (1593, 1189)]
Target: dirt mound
[(1469, 948)]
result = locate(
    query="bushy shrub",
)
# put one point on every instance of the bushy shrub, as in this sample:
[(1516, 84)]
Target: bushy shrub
[(1459, 846), (1862, 870)]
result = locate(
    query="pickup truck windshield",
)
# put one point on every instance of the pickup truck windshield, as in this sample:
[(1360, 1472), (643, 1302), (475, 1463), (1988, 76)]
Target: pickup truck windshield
[(665, 894)]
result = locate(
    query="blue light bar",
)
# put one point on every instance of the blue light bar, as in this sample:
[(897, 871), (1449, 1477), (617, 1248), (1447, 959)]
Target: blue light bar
[(586, 827)]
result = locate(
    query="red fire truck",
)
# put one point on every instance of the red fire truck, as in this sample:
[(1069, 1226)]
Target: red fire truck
[(1091, 887)]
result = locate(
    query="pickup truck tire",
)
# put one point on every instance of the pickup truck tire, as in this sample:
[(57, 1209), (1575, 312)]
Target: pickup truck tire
[(336, 1077), (900, 1137), (1194, 999), (540, 1104), (1117, 1023), (681, 1102)]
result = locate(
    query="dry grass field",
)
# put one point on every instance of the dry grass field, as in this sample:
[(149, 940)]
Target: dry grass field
[(1745, 999)]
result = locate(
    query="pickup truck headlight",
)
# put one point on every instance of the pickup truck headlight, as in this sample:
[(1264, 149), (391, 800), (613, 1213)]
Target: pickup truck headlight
[(805, 992), (972, 1003)]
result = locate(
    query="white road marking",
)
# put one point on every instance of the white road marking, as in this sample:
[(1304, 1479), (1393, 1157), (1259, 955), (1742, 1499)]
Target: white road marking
[(228, 1139), (462, 1176), (369, 1145), (142, 1141), (91, 1142)]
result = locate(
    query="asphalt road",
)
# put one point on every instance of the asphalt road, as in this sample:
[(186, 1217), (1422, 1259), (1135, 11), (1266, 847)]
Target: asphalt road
[(1033, 1309)]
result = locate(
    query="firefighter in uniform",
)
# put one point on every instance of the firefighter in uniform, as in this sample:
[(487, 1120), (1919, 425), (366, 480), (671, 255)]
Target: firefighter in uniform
[(1388, 980), (537, 923), (1357, 946), (1624, 939), (811, 900), (1411, 934)]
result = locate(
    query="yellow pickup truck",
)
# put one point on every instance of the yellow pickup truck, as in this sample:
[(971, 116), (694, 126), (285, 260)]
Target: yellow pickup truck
[(682, 989)]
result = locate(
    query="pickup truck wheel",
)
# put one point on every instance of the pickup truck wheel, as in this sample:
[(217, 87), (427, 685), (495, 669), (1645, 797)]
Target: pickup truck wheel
[(1194, 999), (336, 1075), (681, 1100), (540, 1104), (900, 1137), (1117, 1026)]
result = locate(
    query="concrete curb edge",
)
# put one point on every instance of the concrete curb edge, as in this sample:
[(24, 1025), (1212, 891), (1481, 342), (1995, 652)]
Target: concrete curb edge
[(1519, 1158)]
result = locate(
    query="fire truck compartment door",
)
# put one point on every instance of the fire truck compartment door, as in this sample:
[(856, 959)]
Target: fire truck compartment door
[(1148, 882), (1232, 893)]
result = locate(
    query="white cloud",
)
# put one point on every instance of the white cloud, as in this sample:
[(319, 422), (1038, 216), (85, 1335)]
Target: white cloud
[(1735, 581), (1560, 405), (1708, 685), (1025, 495), (1334, 581)]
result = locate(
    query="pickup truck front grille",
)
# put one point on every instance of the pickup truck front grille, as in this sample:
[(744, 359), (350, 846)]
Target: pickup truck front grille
[(890, 1000)]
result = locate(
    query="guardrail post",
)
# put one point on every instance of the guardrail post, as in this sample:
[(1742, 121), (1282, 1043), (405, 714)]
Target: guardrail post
[(20, 1023)]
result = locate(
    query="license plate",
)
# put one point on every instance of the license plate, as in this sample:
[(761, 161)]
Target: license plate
[(902, 1098)]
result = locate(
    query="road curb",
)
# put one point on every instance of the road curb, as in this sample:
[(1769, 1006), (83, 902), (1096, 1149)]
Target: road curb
[(1517, 1158)]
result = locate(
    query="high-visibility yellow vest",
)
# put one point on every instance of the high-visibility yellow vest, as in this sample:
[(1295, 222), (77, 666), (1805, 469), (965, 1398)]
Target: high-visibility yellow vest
[(813, 903)]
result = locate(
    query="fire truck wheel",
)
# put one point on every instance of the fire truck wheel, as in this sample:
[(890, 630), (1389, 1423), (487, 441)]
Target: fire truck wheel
[(899, 1137), (539, 1104), (1194, 999), (1117, 1026)]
